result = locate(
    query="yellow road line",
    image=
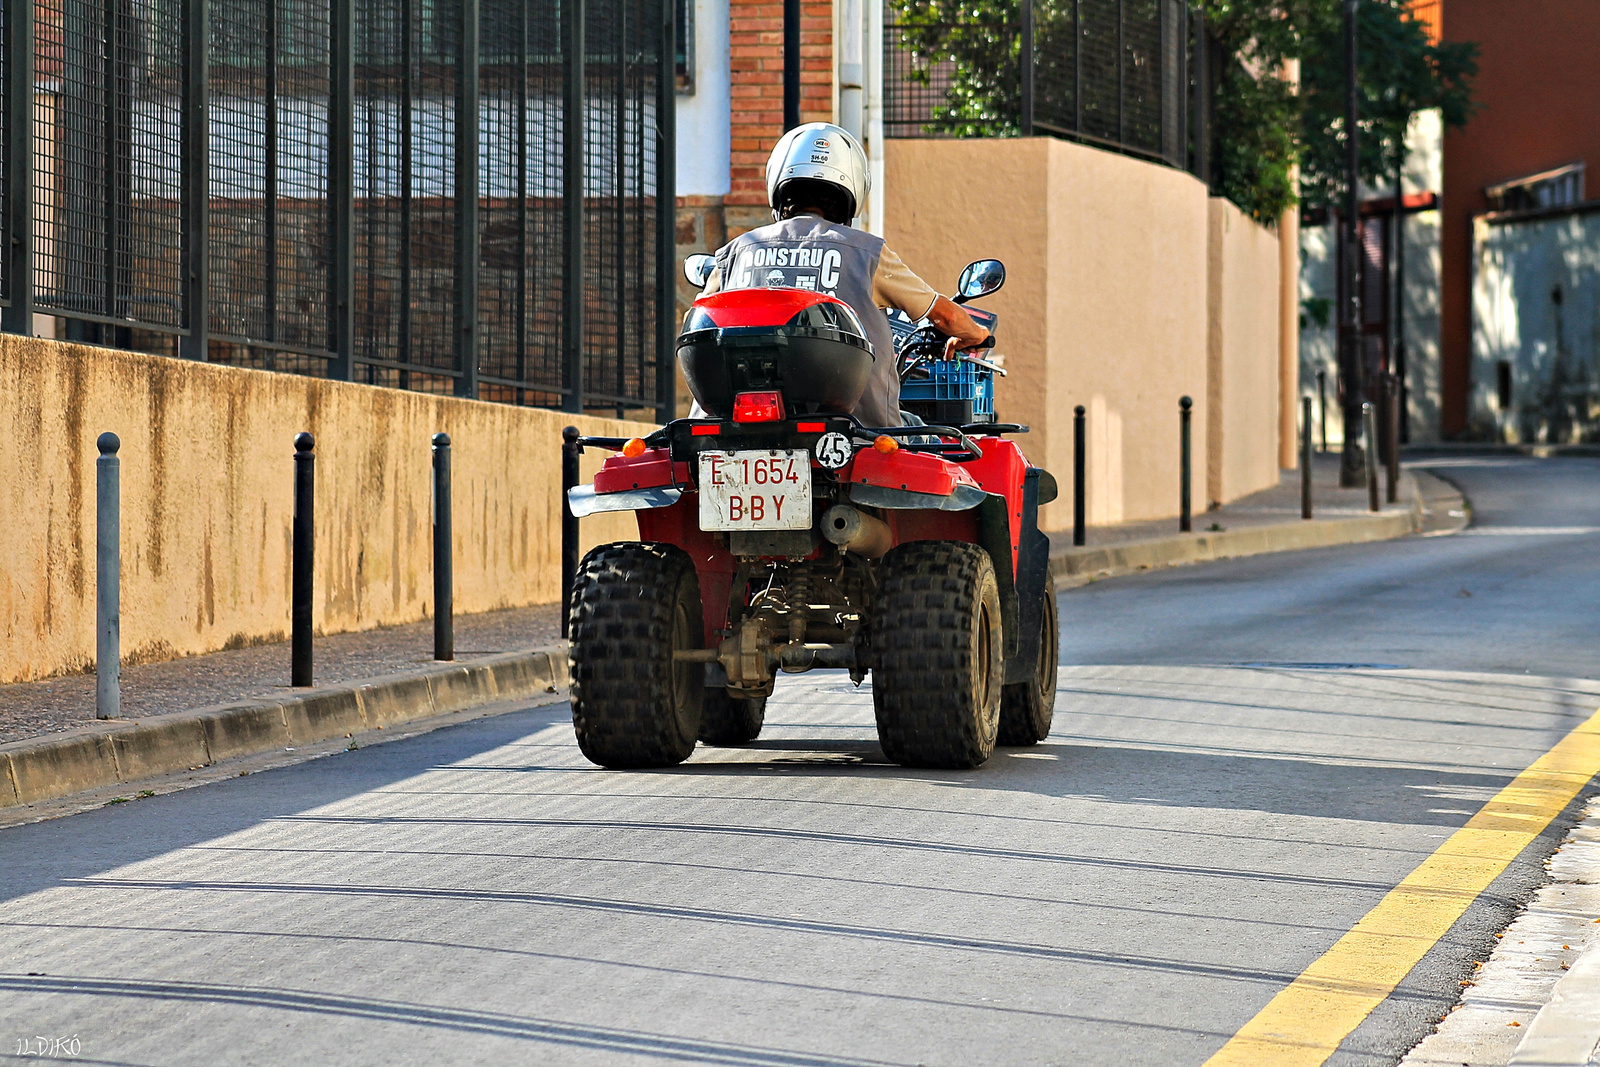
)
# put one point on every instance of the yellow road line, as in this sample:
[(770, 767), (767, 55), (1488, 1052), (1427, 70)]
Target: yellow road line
[(1304, 1023)]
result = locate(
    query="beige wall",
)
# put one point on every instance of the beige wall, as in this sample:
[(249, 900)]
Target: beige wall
[(207, 477), (1243, 326), (1110, 302)]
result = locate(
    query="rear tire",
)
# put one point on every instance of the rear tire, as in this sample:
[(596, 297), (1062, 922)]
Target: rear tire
[(729, 720), (1026, 708), (938, 655), (633, 605)]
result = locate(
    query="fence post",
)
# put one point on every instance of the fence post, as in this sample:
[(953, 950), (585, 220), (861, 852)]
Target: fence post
[(667, 221), (108, 580), (1305, 457), (196, 154), (341, 189), (18, 228), (573, 111), (571, 449), (1025, 61), (1392, 431), (1079, 447), (444, 636), (305, 473), (466, 194), (1369, 438), (1185, 522)]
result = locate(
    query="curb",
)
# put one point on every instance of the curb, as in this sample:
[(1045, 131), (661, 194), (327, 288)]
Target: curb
[(1429, 496), (110, 753)]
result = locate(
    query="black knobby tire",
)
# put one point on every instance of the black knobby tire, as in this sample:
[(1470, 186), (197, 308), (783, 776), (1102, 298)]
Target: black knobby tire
[(728, 720), (633, 604), (1026, 708), (938, 655)]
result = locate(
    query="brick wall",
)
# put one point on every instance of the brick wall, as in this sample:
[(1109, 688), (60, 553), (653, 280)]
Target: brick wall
[(756, 49)]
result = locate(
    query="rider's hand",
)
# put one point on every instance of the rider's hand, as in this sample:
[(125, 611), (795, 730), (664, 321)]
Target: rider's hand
[(952, 319)]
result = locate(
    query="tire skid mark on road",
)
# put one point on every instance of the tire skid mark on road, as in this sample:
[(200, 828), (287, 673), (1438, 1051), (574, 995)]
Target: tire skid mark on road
[(828, 837), (731, 918), (1305, 1023), (602, 1038)]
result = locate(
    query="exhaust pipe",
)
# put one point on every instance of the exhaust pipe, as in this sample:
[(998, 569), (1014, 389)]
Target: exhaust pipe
[(854, 531)]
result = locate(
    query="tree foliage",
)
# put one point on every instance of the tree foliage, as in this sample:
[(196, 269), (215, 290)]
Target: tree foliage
[(1263, 126)]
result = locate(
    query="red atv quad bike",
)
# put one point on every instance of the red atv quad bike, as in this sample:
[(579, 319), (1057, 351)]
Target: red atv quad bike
[(781, 535)]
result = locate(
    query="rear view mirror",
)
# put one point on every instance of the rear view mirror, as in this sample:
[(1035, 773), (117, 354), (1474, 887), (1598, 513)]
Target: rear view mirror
[(982, 277), (697, 268)]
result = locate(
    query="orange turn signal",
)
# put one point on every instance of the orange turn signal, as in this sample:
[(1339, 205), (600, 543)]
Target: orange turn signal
[(634, 448), (885, 444)]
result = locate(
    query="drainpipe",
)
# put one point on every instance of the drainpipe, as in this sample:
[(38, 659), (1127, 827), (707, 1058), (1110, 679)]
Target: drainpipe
[(872, 111)]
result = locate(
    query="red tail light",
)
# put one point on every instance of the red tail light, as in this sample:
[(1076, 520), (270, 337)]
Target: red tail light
[(758, 407)]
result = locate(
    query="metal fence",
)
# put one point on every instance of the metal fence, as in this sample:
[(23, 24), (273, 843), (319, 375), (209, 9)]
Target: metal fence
[(456, 196), (1116, 73)]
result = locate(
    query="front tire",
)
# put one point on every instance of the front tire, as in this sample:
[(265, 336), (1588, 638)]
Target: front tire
[(1026, 708), (729, 720), (633, 705), (938, 655)]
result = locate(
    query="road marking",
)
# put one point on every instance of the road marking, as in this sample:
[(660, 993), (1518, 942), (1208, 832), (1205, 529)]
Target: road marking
[(1303, 1025)]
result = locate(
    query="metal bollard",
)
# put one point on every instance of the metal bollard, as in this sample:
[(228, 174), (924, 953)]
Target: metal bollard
[(108, 580), (305, 474), (1369, 434), (1392, 432), (1322, 405), (1305, 457), (444, 634), (1079, 487), (571, 449), (1185, 411)]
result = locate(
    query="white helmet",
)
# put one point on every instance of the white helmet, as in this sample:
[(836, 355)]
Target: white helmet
[(819, 152)]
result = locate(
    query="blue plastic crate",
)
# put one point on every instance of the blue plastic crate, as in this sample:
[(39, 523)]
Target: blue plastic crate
[(954, 379)]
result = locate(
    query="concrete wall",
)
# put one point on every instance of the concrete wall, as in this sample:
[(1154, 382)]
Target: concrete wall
[(1242, 354), (1105, 305), (1536, 309), (207, 479)]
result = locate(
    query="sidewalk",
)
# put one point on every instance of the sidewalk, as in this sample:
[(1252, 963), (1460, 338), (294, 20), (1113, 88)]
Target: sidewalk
[(1267, 521), (30, 709)]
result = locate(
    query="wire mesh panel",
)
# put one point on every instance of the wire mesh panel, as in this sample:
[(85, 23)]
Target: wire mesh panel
[(394, 211), (1109, 72), (623, 60), (268, 232), (108, 178), (520, 240)]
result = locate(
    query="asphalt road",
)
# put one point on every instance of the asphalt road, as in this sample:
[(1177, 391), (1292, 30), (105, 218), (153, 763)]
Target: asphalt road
[(1247, 756)]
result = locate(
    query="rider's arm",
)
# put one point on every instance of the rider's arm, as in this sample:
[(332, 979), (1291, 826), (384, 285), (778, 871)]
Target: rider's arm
[(895, 286)]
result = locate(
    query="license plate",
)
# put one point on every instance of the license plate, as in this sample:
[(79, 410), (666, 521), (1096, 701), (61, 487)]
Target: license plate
[(765, 490)]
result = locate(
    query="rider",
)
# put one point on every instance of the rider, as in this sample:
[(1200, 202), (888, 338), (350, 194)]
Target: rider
[(817, 179)]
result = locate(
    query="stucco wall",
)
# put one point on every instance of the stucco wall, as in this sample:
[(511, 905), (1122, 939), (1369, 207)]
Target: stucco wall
[(207, 479), (1242, 388), (1105, 304)]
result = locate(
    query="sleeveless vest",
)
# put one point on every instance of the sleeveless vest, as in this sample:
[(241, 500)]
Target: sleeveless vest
[(807, 252)]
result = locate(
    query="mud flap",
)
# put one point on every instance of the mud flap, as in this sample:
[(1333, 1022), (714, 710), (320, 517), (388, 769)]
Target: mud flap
[(1033, 572)]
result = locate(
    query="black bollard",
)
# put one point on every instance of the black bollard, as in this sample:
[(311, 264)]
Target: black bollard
[(1369, 439), (1185, 410), (571, 449), (444, 634), (305, 477), (1392, 431), (1322, 405), (1079, 448), (1305, 458), (108, 580)]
